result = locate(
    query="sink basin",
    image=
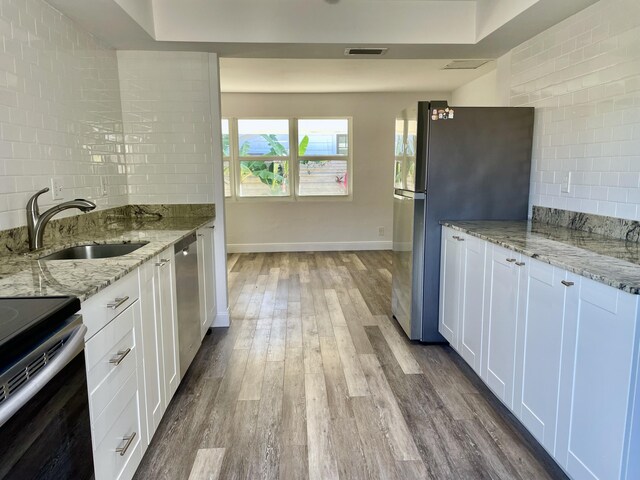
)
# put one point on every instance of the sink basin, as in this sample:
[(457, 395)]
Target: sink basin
[(88, 252)]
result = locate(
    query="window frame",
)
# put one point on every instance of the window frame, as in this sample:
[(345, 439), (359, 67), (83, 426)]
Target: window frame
[(293, 159), (348, 157), (229, 159)]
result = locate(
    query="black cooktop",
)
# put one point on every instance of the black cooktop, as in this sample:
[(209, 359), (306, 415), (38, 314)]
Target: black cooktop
[(26, 320)]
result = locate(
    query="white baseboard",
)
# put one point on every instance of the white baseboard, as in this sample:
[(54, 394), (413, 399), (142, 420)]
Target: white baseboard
[(222, 319), (307, 247)]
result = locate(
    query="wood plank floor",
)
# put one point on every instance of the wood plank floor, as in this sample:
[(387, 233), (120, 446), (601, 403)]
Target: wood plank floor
[(314, 379)]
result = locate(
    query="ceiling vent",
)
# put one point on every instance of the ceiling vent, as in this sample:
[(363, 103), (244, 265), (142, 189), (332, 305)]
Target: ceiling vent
[(365, 51), (465, 64)]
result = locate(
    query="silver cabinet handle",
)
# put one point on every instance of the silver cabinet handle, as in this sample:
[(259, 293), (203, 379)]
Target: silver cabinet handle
[(567, 283), (211, 227), (200, 234), (127, 443), (120, 357), (117, 303), (456, 237), (460, 239), (511, 260), (162, 262), (520, 264)]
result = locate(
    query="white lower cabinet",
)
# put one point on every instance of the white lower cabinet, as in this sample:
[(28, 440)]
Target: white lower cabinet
[(167, 318), (451, 280), (132, 361), (160, 341), (115, 380), (598, 425), (472, 309), (502, 277), (206, 278), (561, 351), (539, 349), (462, 294)]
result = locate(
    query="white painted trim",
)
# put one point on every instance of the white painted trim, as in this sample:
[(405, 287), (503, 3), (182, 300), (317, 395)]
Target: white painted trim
[(223, 319), (307, 247), (219, 233)]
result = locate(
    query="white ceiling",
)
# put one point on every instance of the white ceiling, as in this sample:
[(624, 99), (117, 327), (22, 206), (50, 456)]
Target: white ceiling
[(275, 46), (412, 29), (269, 75)]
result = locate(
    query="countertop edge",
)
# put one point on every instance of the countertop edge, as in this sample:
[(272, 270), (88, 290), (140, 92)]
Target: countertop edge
[(634, 290)]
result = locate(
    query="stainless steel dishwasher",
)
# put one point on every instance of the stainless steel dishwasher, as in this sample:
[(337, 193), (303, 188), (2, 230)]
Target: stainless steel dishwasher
[(187, 293)]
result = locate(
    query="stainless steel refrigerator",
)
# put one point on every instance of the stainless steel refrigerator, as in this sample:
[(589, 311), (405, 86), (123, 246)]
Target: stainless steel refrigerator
[(451, 163)]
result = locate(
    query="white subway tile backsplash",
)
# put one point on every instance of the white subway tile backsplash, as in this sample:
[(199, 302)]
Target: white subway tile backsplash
[(167, 126), (60, 112), (583, 77)]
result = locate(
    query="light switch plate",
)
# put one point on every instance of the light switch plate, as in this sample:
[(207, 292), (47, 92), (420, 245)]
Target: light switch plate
[(566, 182), (57, 189)]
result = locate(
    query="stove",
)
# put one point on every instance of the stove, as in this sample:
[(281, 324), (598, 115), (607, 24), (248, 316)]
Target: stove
[(44, 404), (25, 321)]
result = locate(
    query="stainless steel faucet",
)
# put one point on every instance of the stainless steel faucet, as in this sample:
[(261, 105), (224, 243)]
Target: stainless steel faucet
[(37, 222)]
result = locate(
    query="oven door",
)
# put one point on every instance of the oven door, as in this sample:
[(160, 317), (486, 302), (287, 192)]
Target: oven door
[(44, 411)]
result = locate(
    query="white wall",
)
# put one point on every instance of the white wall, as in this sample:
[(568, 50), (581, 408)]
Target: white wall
[(166, 107), (583, 77), (60, 111), (318, 224), (481, 92)]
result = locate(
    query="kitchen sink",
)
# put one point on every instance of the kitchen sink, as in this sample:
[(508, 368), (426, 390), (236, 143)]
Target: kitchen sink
[(87, 252)]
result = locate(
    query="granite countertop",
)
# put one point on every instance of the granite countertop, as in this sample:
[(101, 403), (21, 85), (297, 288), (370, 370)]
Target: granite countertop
[(604, 259), (25, 275)]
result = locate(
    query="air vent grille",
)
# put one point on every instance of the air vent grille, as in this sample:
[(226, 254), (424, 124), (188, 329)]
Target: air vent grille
[(26, 373), (465, 64), (365, 51)]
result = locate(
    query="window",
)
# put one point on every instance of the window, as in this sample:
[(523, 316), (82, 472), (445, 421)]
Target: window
[(286, 158), (263, 153), (323, 157)]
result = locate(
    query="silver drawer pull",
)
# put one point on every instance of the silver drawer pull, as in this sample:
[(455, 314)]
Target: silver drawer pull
[(200, 234), (127, 443), (567, 283), (460, 239), (117, 360), (456, 237), (117, 303), (511, 260), (160, 264), (212, 227), (520, 264)]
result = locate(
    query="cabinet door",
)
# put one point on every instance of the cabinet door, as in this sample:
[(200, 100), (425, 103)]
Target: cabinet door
[(539, 349), (152, 346), (450, 285), (597, 364), (166, 306), (206, 277), (472, 309), (501, 308)]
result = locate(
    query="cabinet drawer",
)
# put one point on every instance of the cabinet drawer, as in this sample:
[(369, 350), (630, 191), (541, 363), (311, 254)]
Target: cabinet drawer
[(112, 431), (104, 306), (110, 359)]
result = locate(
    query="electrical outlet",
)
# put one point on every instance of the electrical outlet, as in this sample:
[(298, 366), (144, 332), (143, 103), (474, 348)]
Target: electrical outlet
[(104, 183), (381, 231), (566, 182), (57, 189)]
